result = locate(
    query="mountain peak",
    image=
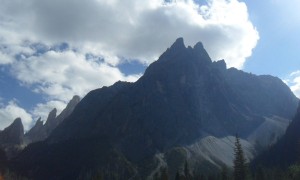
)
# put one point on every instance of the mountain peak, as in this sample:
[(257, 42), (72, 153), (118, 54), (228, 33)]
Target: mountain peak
[(41, 131), (68, 110), (14, 133), (52, 114), (51, 118), (201, 53), (16, 126), (179, 61), (181, 99), (179, 43), (177, 47), (39, 123), (221, 65), (17, 122), (73, 102), (75, 98), (198, 46)]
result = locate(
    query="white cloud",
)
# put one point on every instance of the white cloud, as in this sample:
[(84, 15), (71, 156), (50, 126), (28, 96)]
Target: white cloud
[(295, 73), (5, 58), (135, 29), (42, 110), (293, 81), (61, 75), (10, 112)]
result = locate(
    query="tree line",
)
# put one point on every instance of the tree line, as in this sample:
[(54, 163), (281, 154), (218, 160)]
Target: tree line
[(239, 171)]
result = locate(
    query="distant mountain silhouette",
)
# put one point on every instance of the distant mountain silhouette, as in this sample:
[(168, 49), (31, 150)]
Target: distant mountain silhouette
[(41, 131), (11, 138), (182, 105)]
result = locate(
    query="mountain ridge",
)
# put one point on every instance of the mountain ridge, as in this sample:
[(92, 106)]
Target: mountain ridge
[(287, 147), (12, 138), (182, 98), (41, 131)]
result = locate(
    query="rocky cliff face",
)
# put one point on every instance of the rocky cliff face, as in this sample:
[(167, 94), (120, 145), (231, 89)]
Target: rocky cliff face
[(183, 101), (13, 134), (68, 110), (36, 133), (41, 131), (11, 138), (286, 151)]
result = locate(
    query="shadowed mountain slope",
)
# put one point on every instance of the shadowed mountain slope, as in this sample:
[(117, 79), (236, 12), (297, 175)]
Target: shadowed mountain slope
[(182, 98), (286, 151)]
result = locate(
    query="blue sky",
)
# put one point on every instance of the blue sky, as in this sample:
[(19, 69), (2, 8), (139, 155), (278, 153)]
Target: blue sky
[(278, 23), (51, 50)]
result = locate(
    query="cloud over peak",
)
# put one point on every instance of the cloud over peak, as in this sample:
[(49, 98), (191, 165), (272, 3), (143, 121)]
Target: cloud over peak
[(293, 81), (136, 29), (10, 112), (59, 48)]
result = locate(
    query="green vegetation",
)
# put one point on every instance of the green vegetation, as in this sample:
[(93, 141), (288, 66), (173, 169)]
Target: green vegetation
[(239, 171), (186, 170), (7, 175)]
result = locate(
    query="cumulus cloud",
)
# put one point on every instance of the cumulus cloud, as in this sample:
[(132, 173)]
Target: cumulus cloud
[(60, 75), (293, 81), (136, 29), (5, 58), (9, 112)]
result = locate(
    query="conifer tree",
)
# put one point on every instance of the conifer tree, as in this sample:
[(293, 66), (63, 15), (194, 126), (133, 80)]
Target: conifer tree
[(260, 175), (164, 174), (177, 177), (239, 163), (187, 171), (224, 173)]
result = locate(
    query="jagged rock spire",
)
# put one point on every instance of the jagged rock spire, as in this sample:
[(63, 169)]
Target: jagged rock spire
[(13, 134)]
